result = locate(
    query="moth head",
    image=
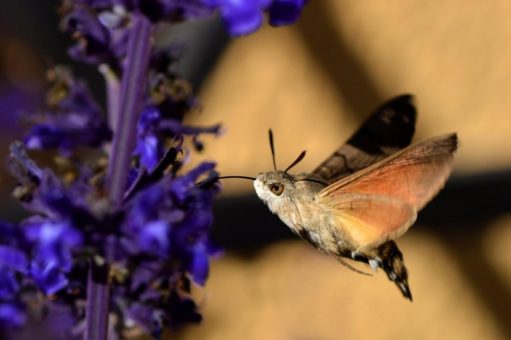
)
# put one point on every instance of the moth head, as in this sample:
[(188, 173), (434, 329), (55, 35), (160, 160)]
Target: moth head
[(273, 185)]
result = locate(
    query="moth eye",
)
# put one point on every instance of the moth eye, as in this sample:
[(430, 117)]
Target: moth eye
[(277, 188)]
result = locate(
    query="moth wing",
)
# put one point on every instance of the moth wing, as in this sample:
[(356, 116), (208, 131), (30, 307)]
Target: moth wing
[(387, 130), (368, 220), (410, 177)]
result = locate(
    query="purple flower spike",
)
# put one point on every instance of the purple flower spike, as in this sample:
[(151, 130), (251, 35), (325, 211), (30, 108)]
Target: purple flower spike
[(117, 234), (133, 90)]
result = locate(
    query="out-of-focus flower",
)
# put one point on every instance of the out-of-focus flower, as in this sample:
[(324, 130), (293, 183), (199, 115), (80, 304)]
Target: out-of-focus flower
[(285, 12), (155, 131), (162, 234), (12, 315), (71, 119), (128, 237), (246, 16), (99, 27)]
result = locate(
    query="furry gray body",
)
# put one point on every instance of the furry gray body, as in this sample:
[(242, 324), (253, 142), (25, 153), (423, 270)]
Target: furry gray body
[(297, 207)]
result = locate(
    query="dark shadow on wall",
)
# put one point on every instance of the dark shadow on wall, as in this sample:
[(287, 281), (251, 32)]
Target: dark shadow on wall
[(459, 217), (336, 59)]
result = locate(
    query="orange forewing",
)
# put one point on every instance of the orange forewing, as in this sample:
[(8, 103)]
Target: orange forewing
[(409, 178)]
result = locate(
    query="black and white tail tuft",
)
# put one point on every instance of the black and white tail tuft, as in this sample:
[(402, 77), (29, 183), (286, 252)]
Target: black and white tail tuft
[(391, 261)]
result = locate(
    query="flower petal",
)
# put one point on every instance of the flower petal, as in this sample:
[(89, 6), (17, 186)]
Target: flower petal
[(199, 268), (285, 12), (12, 315), (13, 258), (154, 238), (48, 277)]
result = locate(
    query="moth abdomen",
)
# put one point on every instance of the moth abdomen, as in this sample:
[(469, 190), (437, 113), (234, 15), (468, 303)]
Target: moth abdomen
[(391, 261)]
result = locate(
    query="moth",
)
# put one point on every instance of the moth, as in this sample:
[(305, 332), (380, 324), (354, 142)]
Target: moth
[(367, 193)]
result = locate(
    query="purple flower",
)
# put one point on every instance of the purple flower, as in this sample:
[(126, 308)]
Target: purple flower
[(71, 120), (173, 310), (241, 17), (183, 187), (146, 317), (13, 259), (246, 16), (285, 12), (149, 147), (96, 43), (12, 315), (154, 128), (22, 167), (53, 242), (9, 285), (48, 276), (149, 150), (199, 266), (99, 26), (154, 238)]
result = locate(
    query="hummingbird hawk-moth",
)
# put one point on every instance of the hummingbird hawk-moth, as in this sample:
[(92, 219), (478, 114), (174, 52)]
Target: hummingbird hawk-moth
[(367, 193)]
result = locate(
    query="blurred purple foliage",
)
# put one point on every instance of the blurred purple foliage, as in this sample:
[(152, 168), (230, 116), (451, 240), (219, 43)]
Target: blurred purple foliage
[(131, 257)]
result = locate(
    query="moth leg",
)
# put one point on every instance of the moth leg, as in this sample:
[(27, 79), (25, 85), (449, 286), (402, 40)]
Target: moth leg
[(349, 266), (343, 252)]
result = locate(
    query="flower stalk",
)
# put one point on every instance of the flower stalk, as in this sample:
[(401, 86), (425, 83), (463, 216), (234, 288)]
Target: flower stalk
[(133, 85), (131, 96), (97, 303), (112, 92)]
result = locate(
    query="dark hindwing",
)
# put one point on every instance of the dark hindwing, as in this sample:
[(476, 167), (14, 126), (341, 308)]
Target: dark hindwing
[(389, 129)]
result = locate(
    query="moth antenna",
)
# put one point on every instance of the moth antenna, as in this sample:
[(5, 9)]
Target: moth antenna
[(270, 134), (297, 160), (242, 177)]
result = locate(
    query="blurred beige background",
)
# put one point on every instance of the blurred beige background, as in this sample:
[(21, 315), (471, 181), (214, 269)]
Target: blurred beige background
[(313, 84)]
